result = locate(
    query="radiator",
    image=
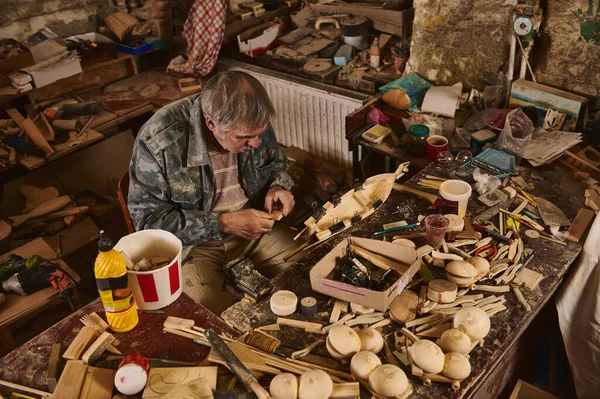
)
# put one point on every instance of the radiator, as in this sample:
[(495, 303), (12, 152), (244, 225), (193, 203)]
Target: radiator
[(310, 115)]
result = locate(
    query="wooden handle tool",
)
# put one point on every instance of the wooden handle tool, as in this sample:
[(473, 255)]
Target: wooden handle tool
[(235, 365)]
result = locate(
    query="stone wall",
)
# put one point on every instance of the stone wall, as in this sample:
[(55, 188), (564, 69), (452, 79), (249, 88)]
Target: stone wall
[(564, 58), (21, 18), (460, 40)]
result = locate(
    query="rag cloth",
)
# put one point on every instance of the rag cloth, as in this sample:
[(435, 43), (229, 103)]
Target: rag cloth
[(203, 32), (578, 307)]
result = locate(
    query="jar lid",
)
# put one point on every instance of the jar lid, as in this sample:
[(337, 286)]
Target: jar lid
[(418, 130)]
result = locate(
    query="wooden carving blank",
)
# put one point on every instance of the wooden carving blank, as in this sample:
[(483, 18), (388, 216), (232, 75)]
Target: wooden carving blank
[(404, 307), (580, 224), (32, 131), (98, 347), (86, 336)]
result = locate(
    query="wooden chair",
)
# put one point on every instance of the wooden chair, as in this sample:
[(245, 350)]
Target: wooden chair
[(122, 193)]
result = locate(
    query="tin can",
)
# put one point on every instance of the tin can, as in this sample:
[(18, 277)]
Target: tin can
[(132, 374)]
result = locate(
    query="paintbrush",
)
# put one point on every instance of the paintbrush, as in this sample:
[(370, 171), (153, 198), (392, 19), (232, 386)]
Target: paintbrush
[(408, 226)]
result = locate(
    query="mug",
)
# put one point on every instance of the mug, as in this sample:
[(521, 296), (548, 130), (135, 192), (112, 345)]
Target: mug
[(435, 145)]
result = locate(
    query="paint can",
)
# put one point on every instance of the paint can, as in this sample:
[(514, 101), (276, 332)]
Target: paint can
[(154, 289), (132, 374), (355, 30)]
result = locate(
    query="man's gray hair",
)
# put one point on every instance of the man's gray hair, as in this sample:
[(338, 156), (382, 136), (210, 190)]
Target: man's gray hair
[(236, 100)]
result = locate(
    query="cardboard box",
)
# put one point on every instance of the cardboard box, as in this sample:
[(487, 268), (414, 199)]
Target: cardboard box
[(104, 51), (45, 73), (320, 274), (17, 62), (529, 94), (524, 390)]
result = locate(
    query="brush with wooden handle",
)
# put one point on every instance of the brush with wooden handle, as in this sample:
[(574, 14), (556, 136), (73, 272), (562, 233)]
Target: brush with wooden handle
[(235, 365)]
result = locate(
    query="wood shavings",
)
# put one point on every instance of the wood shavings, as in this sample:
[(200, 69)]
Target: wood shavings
[(521, 298)]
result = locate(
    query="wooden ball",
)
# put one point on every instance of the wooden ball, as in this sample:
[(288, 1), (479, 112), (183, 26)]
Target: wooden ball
[(456, 366), (371, 340), (427, 356), (388, 380), (455, 340), (284, 386), (461, 268), (363, 363), (474, 321), (315, 384), (344, 340), (481, 264)]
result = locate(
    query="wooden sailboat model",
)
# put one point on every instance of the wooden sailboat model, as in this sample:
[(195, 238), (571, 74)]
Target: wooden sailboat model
[(354, 205)]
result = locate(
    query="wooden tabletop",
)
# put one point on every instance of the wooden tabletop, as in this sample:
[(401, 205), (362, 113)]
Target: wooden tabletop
[(551, 260), (27, 365)]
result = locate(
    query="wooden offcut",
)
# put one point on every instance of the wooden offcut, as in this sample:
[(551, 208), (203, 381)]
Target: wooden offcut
[(404, 307), (97, 348), (79, 381), (53, 367), (162, 380), (82, 341), (120, 23), (580, 224), (32, 131)]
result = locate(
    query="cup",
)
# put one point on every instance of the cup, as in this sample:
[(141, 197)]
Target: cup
[(435, 145), (435, 229), (459, 191)]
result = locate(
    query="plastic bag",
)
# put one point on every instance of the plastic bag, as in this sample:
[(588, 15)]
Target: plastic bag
[(485, 182), (517, 131), (376, 116)]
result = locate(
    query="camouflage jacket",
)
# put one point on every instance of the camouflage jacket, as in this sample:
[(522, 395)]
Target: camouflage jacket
[(172, 185)]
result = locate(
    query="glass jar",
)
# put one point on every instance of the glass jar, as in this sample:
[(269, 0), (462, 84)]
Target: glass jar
[(417, 140)]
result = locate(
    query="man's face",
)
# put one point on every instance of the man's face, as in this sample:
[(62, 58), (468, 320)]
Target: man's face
[(236, 140)]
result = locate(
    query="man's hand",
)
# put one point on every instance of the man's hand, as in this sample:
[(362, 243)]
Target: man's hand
[(246, 223), (278, 196)]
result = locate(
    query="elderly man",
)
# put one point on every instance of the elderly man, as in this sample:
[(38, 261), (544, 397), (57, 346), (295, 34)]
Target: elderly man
[(208, 169)]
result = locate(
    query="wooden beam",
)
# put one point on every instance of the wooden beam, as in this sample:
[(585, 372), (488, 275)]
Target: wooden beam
[(84, 339), (53, 367)]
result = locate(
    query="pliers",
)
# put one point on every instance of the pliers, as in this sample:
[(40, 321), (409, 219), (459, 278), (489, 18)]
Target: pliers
[(487, 251)]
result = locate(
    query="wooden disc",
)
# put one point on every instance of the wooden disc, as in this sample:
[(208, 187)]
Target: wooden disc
[(442, 291), (284, 303), (531, 235), (150, 90), (404, 307)]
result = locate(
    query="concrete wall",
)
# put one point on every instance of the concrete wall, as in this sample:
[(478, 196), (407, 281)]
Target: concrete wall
[(21, 18), (564, 58)]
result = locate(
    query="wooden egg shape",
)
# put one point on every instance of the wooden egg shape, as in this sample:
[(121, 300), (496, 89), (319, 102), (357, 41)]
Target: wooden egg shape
[(344, 340), (455, 340), (370, 340), (388, 380), (481, 264), (461, 281), (427, 356), (473, 321), (363, 363), (284, 386), (404, 242), (315, 384), (461, 268), (456, 366)]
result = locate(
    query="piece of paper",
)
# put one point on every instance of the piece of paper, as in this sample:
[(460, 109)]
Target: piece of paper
[(544, 147), (442, 100)]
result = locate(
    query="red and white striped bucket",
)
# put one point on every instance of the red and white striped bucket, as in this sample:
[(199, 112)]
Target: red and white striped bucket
[(158, 288)]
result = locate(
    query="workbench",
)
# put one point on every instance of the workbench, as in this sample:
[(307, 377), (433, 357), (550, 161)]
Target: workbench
[(27, 365), (494, 364)]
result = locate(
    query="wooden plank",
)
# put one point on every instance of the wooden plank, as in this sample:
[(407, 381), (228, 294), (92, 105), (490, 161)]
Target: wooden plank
[(101, 73), (98, 383), (98, 347), (580, 224), (53, 367), (71, 381), (17, 306), (84, 338), (162, 380), (124, 118)]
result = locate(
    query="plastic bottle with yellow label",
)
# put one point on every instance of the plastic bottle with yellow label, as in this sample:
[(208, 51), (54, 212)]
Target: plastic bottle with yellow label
[(111, 278)]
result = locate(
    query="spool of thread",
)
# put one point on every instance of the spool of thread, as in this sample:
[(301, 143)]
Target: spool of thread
[(308, 305), (132, 374)]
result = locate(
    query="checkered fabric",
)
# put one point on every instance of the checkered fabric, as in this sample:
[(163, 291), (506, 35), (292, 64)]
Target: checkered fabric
[(203, 32)]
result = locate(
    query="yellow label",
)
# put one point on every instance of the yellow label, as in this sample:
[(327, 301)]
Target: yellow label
[(115, 305)]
